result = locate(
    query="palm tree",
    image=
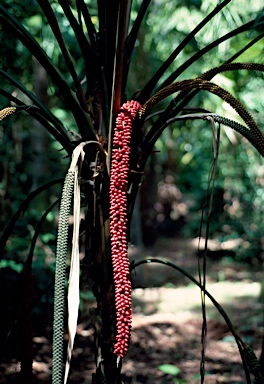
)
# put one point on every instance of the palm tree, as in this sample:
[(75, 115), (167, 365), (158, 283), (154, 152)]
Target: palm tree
[(110, 151)]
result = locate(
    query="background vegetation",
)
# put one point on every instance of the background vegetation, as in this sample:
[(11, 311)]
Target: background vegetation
[(175, 184)]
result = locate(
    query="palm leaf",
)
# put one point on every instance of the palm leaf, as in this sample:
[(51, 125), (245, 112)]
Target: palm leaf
[(35, 112), (48, 11), (28, 263), (32, 45), (250, 25), (173, 110), (117, 94), (149, 87), (107, 31), (89, 55), (123, 21), (132, 37), (82, 119), (212, 88), (45, 111), (190, 95), (227, 66), (83, 9)]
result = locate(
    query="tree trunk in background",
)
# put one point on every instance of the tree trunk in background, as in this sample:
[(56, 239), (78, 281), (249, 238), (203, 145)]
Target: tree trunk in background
[(148, 198), (39, 137), (136, 248)]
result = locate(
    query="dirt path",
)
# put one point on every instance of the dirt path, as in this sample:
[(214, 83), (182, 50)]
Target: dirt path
[(170, 332), (167, 324), (167, 320)]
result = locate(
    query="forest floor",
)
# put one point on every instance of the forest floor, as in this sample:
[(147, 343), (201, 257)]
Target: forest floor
[(167, 324)]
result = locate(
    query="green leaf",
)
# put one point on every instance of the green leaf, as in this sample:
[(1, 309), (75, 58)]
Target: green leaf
[(46, 237), (169, 369), (17, 267)]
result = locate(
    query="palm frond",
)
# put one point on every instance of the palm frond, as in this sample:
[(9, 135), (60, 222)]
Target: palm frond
[(45, 111), (82, 9), (190, 95), (152, 83), (48, 11), (88, 54), (243, 28), (42, 220), (107, 45), (55, 131), (22, 208), (82, 119), (132, 37)]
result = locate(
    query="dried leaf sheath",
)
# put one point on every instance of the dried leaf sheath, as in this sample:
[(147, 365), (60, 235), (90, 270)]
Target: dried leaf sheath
[(118, 223)]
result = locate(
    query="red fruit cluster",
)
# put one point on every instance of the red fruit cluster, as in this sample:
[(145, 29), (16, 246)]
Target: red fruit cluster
[(118, 223)]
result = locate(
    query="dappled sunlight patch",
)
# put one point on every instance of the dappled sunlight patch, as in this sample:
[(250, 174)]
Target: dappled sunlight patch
[(168, 342), (39, 366)]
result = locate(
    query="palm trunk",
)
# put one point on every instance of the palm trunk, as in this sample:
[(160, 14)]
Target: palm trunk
[(98, 254)]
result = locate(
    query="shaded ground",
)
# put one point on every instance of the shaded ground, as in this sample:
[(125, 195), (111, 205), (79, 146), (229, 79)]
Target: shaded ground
[(167, 324)]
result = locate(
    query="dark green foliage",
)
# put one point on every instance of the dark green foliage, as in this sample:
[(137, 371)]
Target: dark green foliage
[(95, 58)]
